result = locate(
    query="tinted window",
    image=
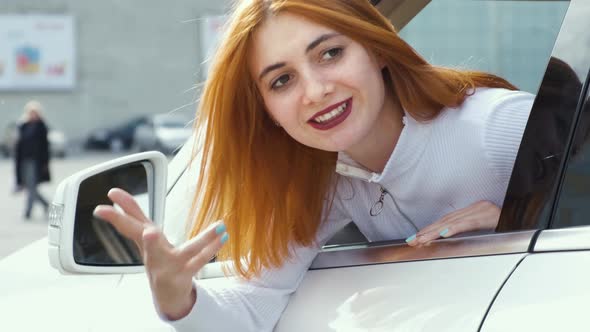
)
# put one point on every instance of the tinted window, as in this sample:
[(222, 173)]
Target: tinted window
[(530, 199), (574, 201)]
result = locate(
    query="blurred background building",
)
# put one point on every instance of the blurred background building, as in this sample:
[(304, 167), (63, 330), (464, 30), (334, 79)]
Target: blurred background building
[(131, 58)]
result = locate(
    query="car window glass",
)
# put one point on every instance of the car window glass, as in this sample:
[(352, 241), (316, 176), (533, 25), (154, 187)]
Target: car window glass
[(536, 176)]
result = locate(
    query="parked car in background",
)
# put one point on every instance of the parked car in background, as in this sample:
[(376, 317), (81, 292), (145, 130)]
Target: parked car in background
[(165, 132), (116, 138), (57, 141)]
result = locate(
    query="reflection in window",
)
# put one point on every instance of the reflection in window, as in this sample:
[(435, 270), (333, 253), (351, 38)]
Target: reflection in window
[(512, 39)]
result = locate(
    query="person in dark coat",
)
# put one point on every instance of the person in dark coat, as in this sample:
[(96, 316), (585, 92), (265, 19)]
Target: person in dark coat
[(32, 156)]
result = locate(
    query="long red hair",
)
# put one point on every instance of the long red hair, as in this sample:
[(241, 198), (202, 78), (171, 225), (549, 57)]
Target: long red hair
[(270, 190)]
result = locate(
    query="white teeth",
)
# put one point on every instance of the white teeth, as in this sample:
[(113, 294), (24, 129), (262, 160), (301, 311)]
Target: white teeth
[(328, 116)]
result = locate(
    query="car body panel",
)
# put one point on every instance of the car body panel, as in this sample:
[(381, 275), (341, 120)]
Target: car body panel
[(434, 295), (36, 297), (548, 292), (131, 308)]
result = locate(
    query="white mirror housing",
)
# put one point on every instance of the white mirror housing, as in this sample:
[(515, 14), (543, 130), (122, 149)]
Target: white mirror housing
[(63, 211)]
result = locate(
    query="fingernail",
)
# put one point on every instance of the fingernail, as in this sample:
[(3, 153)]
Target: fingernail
[(96, 210), (444, 232), (224, 238), (220, 229), (411, 238)]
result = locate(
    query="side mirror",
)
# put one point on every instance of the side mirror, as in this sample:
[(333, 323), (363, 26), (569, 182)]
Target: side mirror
[(80, 242)]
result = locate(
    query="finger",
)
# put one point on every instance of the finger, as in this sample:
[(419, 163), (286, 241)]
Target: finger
[(124, 224), (454, 227), (128, 204), (445, 228), (447, 232), (430, 236), (481, 215), (211, 249), (412, 240), (193, 246), (436, 226), (455, 215), (157, 250)]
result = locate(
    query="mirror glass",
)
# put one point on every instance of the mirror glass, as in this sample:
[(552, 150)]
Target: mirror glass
[(96, 242)]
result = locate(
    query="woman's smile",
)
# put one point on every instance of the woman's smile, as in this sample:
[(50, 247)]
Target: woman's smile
[(331, 116)]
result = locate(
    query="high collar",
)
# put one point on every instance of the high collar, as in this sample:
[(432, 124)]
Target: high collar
[(411, 144)]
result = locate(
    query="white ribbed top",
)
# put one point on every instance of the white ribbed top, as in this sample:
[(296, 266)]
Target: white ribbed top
[(463, 156)]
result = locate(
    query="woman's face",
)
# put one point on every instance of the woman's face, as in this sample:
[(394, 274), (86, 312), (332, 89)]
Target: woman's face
[(324, 89)]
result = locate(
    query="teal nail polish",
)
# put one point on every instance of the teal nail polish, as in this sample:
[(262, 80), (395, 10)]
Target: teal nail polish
[(224, 238), (220, 229), (411, 238), (444, 232)]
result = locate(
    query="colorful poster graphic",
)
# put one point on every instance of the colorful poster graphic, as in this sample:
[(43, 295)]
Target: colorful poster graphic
[(27, 60), (37, 52)]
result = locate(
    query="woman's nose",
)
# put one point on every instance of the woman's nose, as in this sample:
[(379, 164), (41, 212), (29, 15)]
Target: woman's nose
[(316, 88)]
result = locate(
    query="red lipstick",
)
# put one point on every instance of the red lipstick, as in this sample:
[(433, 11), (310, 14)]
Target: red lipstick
[(333, 122)]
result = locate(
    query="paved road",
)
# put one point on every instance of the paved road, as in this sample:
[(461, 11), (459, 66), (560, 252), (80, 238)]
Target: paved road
[(16, 233)]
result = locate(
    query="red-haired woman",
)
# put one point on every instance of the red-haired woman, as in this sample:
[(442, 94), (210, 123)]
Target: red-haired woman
[(316, 113)]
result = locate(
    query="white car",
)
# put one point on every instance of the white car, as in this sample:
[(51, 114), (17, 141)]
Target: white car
[(165, 132), (530, 275)]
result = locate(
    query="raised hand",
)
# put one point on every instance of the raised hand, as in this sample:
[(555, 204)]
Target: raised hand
[(170, 269)]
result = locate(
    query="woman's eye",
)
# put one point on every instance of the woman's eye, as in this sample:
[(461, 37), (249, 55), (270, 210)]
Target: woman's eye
[(280, 82), (331, 53)]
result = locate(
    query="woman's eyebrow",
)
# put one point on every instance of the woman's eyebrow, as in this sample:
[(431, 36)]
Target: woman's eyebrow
[(271, 68), (308, 49), (320, 40)]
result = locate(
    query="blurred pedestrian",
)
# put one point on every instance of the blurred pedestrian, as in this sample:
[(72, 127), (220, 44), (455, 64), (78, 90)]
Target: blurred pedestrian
[(32, 155)]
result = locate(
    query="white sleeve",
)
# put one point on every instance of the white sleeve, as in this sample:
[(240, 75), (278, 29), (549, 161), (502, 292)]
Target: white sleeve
[(503, 131), (256, 305)]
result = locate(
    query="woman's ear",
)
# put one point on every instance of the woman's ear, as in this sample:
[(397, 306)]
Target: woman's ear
[(380, 61)]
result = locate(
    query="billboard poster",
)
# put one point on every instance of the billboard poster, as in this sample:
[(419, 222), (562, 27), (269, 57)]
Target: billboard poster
[(37, 52)]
